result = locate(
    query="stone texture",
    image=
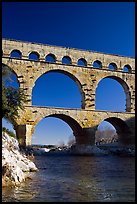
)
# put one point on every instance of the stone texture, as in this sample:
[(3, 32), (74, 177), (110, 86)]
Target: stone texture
[(83, 121)]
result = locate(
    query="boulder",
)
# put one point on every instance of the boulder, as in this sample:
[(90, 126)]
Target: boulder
[(15, 165)]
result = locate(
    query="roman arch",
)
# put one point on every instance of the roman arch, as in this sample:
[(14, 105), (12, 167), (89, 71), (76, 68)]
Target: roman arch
[(83, 121)]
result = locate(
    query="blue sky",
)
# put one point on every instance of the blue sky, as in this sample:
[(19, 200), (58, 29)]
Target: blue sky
[(107, 27)]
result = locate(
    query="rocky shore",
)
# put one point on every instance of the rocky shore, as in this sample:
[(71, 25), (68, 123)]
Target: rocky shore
[(16, 167), (119, 149), (66, 150), (17, 163), (91, 150)]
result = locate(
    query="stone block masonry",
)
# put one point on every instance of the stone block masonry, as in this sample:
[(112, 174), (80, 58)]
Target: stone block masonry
[(83, 121)]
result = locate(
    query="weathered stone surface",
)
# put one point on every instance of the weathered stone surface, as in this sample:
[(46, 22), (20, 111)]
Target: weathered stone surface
[(86, 77)]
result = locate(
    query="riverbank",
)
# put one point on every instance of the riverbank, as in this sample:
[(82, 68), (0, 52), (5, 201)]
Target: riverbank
[(17, 161), (16, 166), (118, 149), (91, 150)]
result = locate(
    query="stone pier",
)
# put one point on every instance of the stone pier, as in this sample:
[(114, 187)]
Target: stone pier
[(83, 121)]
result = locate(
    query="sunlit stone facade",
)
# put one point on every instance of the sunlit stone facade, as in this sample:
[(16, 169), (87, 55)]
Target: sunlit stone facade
[(83, 121)]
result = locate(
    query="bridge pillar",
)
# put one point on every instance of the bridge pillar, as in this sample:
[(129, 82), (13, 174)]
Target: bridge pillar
[(24, 134), (89, 99), (28, 95), (86, 137), (133, 104), (126, 138)]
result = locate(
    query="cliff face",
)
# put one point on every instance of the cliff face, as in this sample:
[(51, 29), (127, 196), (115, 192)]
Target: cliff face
[(15, 165)]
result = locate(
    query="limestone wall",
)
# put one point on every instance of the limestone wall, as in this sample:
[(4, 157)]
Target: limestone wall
[(83, 121), (86, 77)]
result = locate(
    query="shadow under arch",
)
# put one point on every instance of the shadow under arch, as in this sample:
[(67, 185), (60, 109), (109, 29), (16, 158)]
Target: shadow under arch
[(78, 83), (122, 129), (124, 86)]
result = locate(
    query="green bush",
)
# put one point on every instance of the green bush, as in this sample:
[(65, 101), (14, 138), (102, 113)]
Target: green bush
[(9, 132), (13, 98)]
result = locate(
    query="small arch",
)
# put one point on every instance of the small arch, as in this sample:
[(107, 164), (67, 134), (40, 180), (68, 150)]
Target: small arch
[(82, 62), (112, 66), (34, 56), (97, 64), (127, 68), (66, 60), (16, 54), (50, 58)]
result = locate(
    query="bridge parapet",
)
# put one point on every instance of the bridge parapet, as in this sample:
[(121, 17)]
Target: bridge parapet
[(33, 114), (43, 50)]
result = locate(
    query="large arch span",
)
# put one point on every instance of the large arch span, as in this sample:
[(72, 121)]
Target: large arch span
[(125, 87), (86, 77), (72, 123), (122, 129), (71, 76), (84, 123)]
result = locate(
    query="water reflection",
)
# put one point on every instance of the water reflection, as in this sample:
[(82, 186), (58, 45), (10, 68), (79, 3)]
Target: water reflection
[(77, 179)]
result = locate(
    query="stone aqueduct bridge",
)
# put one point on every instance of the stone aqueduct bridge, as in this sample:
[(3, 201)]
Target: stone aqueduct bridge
[(83, 121)]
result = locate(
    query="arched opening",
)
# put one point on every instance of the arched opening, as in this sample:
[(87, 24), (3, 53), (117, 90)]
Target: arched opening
[(113, 130), (112, 94), (122, 129), (58, 88), (106, 133), (34, 56), (112, 66), (66, 60), (16, 54), (82, 62), (50, 58), (97, 64), (57, 129), (127, 68)]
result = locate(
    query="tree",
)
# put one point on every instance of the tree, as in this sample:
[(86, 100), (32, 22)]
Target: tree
[(12, 98), (106, 136)]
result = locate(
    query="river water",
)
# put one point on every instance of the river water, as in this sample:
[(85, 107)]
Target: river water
[(76, 179)]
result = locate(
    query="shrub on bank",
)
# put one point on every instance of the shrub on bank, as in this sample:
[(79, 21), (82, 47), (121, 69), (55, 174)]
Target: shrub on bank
[(9, 132)]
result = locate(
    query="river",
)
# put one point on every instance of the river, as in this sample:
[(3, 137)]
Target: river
[(77, 178)]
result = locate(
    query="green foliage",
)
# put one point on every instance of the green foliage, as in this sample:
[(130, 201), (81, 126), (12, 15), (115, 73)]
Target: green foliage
[(12, 98), (9, 132)]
